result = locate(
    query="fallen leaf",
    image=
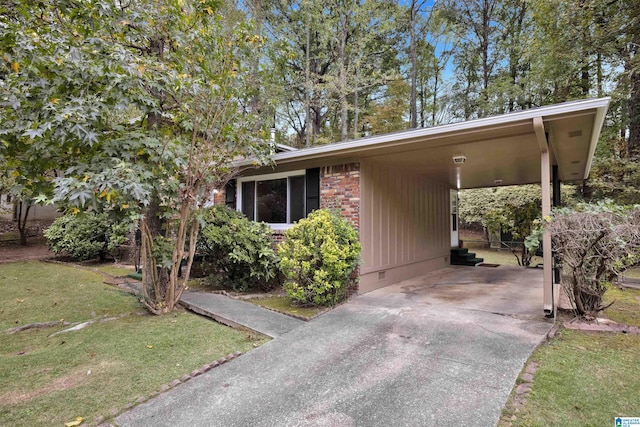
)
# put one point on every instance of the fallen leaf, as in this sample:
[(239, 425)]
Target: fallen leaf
[(77, 422), (20, 300), (149, 346)]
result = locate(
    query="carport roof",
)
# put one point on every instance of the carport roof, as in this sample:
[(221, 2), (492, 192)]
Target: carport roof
[(499, 150)]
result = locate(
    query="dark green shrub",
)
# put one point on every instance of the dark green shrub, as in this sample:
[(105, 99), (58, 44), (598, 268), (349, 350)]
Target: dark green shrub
[(87, 235), (317, 258), (239, 252)]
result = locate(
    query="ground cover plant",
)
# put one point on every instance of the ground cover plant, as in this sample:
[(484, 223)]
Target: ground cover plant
[(585, 378), (48, 380)]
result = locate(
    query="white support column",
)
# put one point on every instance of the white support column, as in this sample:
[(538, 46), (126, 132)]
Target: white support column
[(545, 184)]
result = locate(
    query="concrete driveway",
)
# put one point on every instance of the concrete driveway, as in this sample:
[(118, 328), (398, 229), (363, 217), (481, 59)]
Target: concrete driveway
[(444, 349)]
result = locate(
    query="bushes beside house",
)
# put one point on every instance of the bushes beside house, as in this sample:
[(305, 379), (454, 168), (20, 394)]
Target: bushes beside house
[(595, 243), (317, 258), (238, 252), (88, 235)]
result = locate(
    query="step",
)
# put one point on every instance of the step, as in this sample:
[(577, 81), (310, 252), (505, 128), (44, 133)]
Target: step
[(464, 257), (459, 251)]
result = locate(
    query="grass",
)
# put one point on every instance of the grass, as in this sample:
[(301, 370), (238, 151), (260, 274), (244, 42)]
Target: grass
[(502, 256), (582, 379), (284, 304), (585, 379), (114, 269), (52, 380), (626, 308)]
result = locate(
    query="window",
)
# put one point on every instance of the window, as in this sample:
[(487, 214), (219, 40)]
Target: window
[(274, 199)]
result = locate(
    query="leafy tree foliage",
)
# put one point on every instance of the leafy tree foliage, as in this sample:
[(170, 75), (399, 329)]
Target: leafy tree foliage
[(141, 104), (513, 209), (329, 58)]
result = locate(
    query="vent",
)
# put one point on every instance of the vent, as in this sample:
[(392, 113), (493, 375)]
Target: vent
[(575, 133), (497, 181), (575, 162), (381, 275)]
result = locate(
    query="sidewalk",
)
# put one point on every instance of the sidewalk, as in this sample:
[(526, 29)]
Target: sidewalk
[(237, 313)]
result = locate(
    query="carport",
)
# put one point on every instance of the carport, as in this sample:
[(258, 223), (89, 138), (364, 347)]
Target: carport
[(504, 290), (400, 189)]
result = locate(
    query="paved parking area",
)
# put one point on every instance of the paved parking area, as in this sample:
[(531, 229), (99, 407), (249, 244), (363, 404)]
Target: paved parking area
[(444, 349)]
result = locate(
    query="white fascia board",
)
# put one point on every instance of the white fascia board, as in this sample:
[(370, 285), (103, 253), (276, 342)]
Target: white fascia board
[(399, 137), (595, 136)]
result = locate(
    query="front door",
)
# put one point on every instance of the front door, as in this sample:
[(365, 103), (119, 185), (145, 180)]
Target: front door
[(453, 217)]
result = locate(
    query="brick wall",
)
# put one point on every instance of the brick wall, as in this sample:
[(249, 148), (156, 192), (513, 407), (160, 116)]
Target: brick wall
[(340, 189), (219, 198)]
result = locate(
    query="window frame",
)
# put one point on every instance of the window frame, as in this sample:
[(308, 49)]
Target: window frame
[(269, 177)]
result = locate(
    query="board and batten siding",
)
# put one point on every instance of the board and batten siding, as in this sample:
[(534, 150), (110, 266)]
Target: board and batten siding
[(405, 225)]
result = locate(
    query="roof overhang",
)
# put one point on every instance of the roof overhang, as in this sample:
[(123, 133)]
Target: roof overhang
[(499, 150)]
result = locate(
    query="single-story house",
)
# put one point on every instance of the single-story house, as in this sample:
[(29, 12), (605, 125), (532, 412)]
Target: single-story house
[(400, 189)]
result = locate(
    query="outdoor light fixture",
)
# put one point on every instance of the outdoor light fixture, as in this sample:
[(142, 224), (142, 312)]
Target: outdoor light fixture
[(459, 159)]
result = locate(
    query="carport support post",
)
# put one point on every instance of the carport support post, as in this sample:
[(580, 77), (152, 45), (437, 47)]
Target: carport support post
[(545, 184)]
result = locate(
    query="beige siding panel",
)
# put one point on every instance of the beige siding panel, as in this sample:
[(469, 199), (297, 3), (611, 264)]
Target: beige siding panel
[(405, 219)]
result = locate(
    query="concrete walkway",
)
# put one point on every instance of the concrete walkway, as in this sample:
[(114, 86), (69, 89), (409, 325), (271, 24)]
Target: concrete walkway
[(236, 313), (382, 359)]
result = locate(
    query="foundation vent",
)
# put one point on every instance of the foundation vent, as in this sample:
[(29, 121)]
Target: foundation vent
[(381, 275)]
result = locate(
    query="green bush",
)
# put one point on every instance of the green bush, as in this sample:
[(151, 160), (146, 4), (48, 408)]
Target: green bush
[(239, 251), (88, 235), (317, 258)]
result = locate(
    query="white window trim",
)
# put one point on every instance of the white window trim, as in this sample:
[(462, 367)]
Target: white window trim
[(267, 177)]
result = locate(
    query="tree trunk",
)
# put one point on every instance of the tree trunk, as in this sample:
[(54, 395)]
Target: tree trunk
[(413, 107), (22, 221), (633, 105), (344, 107)]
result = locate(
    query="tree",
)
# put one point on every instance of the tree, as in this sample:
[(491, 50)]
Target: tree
[(512, 209), (328, 58), (144, 104)]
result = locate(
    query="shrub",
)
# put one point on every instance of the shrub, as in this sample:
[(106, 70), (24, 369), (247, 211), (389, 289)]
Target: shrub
[(595, 243), (239, 251), (317, 258), (88, 235)]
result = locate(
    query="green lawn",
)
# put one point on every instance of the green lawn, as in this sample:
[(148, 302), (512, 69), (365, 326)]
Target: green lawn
[(114, 269), (586, 379), (49, 381), (502, 256)]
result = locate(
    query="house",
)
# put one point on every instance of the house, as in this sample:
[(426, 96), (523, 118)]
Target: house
[(400, 190), (9, 210)]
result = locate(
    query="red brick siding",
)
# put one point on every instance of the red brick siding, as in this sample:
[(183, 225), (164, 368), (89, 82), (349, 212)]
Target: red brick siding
[(340, 189), (219, 198)]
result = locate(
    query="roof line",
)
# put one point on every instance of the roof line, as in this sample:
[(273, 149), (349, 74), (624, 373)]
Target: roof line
[(600, 104)]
